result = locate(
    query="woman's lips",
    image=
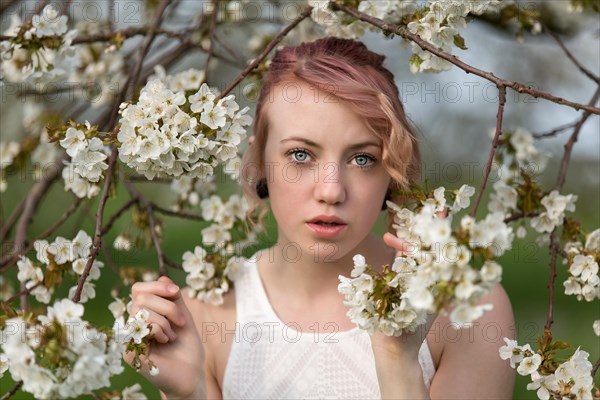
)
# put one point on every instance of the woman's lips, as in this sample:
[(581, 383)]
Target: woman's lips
[(326, 231)]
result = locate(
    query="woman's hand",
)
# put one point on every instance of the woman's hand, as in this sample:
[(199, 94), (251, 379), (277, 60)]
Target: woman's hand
[(176, 348), (397, 358)]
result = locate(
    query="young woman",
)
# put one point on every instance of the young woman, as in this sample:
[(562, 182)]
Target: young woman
[(332, 144)]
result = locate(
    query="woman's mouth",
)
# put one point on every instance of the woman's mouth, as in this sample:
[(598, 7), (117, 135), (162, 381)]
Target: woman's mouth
[(326, 230)]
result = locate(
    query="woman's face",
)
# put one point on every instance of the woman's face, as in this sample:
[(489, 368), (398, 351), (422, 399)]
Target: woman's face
[(320, 159)]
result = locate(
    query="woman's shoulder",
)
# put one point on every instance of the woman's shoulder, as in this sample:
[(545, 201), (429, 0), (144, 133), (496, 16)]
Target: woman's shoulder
[(470, 354)]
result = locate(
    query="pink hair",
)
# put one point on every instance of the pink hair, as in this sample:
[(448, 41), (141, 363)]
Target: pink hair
[(347, 70)]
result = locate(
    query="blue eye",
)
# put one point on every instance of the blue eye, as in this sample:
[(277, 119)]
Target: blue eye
[(298, 155), (363, 160)]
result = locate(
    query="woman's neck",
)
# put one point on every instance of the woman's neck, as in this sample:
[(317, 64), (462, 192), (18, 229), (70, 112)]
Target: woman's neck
[(310, 280)]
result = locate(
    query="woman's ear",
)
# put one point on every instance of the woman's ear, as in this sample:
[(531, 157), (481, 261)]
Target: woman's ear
[(262, 190)]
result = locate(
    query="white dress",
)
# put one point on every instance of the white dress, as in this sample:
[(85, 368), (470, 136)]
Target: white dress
[(272, 360)]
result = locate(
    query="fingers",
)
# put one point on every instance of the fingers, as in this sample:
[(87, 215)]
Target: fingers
[(402, 246), (442, 214), (161, 328), (160, 297)]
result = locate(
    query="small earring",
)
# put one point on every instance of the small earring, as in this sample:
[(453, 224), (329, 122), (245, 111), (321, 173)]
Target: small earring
[(262, 190), (388, 196)]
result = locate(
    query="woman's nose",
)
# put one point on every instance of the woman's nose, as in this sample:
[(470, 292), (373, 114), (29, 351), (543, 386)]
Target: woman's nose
[(329, 184)]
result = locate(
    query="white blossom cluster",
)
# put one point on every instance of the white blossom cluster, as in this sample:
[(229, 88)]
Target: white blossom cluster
[(206, 280), (87, 165), (554, 214), (82, 360), (521, 154), (439, 26), (60, 252), (39, 51), (133, 392), (8, 152), (571, 379), (184, 81), (136, 328), (333, 21), (436, 271), (131, 331), (189, 190), (584, 281), (159, 137)]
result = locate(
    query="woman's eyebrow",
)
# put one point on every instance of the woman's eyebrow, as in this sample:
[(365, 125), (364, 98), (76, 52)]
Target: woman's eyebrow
[(318, 146)]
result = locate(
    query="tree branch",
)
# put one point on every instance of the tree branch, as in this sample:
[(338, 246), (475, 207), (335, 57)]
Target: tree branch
[(596, 366), (571, 57), (22, 292), (11, 259), (518, 216), (121, 211), (564, 164), (134, 73), (97, 242), (265, 52), (162, 270), (550, 317), (555, 131), (180, 214), (406, 34), (12, 391), (488, 167), (211, 34), (10, 221), (34, 196)]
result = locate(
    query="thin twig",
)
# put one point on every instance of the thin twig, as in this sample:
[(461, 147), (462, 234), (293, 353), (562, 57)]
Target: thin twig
[(61, 220), (134, 73), (515, 217), (22, 292), (211, 34), (596, 366), (125, 207), (10, 221), (34, 196), (551, 279), (12, 391), (564, 164), (571, 57), (408, 35), (172, 264), (10, 260), (488, 167), (238, 57), (162, 270), (265, 52), (97, 242), (180, 214), (555, 131)]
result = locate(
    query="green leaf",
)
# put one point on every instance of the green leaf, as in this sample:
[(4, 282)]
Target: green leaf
[(459, 42)]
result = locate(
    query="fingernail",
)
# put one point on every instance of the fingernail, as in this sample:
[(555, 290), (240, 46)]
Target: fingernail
[(172, 335), (172, 288)]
